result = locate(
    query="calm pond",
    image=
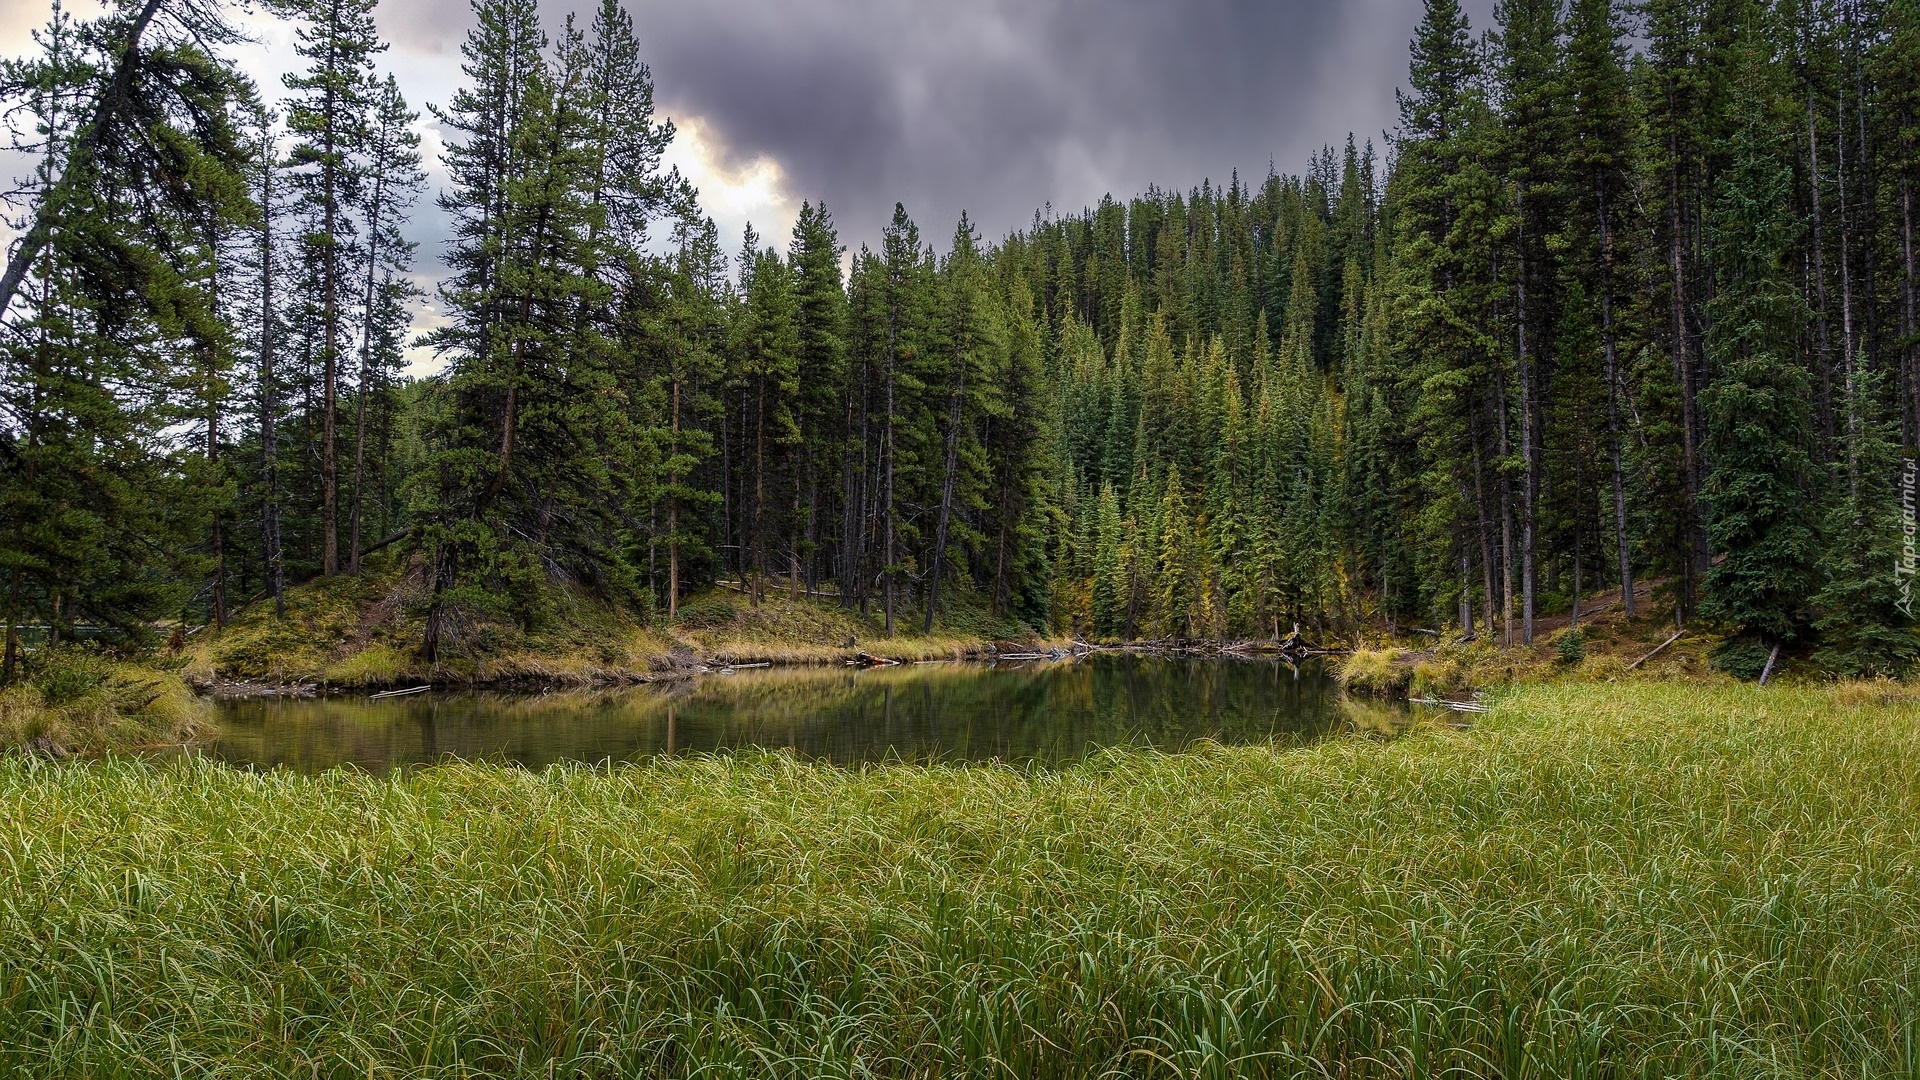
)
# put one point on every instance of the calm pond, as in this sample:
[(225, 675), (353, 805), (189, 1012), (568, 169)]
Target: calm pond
[(1044, 713)]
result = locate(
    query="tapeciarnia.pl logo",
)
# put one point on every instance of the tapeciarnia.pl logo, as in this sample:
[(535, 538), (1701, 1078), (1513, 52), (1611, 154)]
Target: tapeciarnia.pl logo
[(1909, 564)]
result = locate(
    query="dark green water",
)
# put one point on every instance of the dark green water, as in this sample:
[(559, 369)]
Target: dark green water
[(1046, 713)]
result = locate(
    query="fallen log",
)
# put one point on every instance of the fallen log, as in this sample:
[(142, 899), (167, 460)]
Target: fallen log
[(1456, 706), (400, 693), (1656, 652)]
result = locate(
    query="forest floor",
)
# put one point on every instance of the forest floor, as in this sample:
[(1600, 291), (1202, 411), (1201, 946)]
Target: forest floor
[(1647, 878), (1605, 646)]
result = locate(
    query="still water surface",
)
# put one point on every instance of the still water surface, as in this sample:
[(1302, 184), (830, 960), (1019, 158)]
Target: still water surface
[(1027, 713)]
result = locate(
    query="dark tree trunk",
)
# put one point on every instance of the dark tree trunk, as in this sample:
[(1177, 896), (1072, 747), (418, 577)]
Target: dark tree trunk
[(1610, 342), (366, 374), (1530, 477), (946, 485), (1684, 372), (673, 513), (273, 563)]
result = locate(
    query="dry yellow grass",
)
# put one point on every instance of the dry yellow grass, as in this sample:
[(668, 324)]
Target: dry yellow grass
[(77, 702)]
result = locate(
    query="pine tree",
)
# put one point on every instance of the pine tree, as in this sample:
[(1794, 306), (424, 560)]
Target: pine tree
[(393, 164), (1110, 582), (901, 344), (1173, 597), (327, 116), (1599, 174), (118, 345), (766, 370), (969, 325), (535, 448), (1859, 610), (1534, 134), (690, 339), (821, 326), (1757, 418)]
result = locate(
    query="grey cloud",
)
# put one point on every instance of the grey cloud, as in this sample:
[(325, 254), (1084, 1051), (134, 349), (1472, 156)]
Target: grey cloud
[(1001, 106)]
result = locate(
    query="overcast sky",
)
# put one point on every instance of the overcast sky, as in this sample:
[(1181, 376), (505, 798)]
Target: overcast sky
[(997, 107)]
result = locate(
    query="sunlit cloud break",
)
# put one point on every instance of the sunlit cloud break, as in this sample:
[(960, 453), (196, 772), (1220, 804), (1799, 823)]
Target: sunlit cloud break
[(732, 193)]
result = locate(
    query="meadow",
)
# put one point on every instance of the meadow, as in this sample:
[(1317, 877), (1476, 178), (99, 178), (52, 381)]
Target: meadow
[(1635, 879)]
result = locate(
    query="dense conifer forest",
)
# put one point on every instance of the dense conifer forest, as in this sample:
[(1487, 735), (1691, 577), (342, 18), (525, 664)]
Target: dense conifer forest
[(1628, 295)]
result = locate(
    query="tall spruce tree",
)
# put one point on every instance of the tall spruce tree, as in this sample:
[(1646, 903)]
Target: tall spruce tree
[(1758, 424)]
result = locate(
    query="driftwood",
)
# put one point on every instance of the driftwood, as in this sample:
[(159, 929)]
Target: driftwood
[(1456, 706), (1656, 652), (401, 693)]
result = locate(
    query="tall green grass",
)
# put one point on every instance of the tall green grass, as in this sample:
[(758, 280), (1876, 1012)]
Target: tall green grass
[(1626, 881)]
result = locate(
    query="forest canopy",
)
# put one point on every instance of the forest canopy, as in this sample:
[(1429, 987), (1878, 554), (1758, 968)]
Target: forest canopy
[(1629, 295)]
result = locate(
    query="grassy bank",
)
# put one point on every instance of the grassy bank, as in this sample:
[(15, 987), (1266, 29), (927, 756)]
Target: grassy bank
[(1639, 880), (1602, 651), (365, 631), (74, 700)]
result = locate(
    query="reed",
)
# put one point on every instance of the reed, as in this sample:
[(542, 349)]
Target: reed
[(1627, 880)]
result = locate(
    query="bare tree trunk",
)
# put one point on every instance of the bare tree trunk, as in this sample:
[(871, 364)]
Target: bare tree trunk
[(1530, 478), (1466, 593), (1683, 370), (1609, 339), (812, 511), (757, 525), (1485, 528), (853, 495), (946, 484), (1821, 334), (272, 559), (330, 358), (794, 543), (1868, 346), (509, 418), (1506, 521), (1850, 361), (12, 650), (673, 513), (366, 372), (726, 488), (886, 450), (1909, 300), (218, 540), (1573, 621)]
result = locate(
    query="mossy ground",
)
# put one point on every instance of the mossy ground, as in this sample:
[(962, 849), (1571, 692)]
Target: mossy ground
[(1630, 880)]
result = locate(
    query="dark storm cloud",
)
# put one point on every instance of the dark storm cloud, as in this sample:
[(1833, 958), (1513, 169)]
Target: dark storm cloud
[(1000, 106)]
